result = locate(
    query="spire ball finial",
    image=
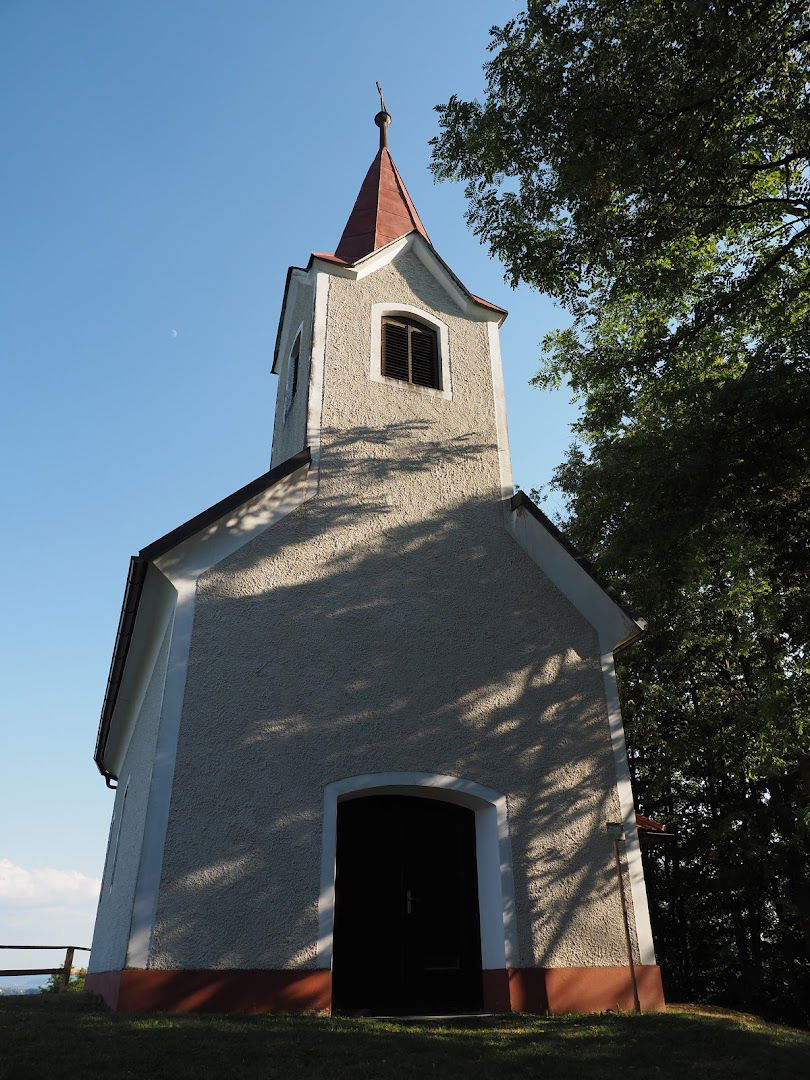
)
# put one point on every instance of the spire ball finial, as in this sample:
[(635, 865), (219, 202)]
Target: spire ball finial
[(382, 120)]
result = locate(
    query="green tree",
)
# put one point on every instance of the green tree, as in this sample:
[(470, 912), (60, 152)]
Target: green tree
[(54, 983), (714, 699), (648, 164)]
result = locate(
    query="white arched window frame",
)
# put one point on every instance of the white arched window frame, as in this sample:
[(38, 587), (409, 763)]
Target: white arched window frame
[(293, 371), (496, 892), (378, 313)]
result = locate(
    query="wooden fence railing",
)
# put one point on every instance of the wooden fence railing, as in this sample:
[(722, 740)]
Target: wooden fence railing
[(65, 970)]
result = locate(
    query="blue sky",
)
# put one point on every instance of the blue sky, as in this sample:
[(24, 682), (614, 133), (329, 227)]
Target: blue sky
[(165, 161)]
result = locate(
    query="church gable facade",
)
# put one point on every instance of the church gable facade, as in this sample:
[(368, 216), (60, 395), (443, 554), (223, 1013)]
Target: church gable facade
[(362, 715)]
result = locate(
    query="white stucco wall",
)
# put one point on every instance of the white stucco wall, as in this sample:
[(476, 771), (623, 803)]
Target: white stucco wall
[(111, 933), (391, 623)]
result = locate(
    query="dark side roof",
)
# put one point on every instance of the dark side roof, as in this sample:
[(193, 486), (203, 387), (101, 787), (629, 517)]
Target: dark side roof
[(138, 565), (520, 500)]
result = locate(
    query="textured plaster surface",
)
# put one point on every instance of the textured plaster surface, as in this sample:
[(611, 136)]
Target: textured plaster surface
[(389, 624), (111, 933), (290, 431)]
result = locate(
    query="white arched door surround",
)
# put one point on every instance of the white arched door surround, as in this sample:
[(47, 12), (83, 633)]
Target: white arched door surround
[(496, 895)]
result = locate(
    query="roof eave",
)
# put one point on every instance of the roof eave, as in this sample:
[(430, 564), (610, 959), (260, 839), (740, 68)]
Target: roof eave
[(521, 501), (136, 577), (335, 260), (277, 347)]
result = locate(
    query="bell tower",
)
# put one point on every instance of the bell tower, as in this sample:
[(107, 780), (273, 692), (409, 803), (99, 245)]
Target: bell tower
[(389, 366)]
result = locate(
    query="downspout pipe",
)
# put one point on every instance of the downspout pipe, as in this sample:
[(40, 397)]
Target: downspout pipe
[(615, 830)]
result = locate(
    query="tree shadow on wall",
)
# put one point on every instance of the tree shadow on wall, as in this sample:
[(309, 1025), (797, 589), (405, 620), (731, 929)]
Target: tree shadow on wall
[(365, 633)]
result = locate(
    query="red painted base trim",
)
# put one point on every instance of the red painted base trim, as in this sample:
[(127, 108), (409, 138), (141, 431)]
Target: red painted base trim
[(584, 989), (105, 984), (214, 991), (532, 990), (496, 991)]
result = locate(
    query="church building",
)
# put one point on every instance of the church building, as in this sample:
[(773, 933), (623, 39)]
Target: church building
[(362, 718)]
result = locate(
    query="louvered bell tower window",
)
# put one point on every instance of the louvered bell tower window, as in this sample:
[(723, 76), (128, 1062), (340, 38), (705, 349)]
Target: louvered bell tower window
[(410, 352)]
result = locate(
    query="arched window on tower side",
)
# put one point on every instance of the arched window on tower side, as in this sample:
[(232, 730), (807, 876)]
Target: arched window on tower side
[(292, 373)]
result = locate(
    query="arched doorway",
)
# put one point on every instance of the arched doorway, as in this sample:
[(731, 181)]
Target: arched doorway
[(407, 935)]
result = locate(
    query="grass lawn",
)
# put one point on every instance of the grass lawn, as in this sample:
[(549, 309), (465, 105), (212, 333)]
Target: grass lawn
[(53, 1036)]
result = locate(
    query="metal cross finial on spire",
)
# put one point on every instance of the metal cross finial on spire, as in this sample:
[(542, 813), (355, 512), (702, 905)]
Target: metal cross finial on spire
[(382, 120)]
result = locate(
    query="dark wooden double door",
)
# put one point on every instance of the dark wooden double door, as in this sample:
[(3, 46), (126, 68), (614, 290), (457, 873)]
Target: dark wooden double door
[(407, 932)]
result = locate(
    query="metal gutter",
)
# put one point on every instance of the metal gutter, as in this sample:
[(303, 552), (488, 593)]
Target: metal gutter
[(123, 638)]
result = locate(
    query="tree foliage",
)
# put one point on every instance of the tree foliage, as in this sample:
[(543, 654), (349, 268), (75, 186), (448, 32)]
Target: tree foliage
[(75, 983), (610, 131), (715, 706), (648, 164)]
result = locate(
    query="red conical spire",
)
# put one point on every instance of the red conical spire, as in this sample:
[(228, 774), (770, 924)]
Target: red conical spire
[(383, 210)]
